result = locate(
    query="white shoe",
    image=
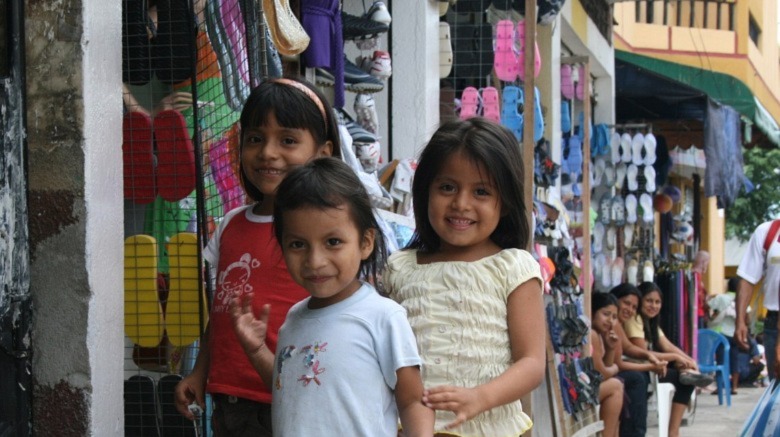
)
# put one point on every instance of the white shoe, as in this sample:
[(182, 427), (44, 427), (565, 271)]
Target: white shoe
[(365, 110), (378, 12), (380, 65)]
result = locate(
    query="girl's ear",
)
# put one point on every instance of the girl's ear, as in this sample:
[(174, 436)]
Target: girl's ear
[(325, 149), (367, 243)]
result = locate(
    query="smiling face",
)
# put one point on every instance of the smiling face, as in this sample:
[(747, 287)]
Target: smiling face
[(604, 319), (270, 151), (323, 249), (651, 304), (464, 209), (627, 307)]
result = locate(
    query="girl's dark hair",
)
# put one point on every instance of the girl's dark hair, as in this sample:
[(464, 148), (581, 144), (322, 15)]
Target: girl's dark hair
[(625, 289), (330, 183), (601, 300), (293, 108), (651, 325), (493, 147)]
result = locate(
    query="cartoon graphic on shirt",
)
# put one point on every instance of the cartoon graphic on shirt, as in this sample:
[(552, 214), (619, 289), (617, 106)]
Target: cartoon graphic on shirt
[(283, 355), (306, 379), (310, 354), (234, 281)]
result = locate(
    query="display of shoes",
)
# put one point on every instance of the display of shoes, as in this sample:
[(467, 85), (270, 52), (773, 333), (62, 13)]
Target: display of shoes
[(379, 13), (378, 65), (361, 27), (358, 81), (365, 110), (323, 77)]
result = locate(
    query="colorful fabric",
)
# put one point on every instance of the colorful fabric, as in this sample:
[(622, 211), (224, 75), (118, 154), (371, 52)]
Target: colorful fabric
[(247, 258)]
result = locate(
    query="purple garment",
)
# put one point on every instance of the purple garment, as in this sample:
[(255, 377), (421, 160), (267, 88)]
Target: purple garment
[(233, 23), (322, 21)]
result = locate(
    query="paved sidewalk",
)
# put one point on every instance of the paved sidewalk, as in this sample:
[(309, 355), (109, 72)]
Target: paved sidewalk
[(713, 420)]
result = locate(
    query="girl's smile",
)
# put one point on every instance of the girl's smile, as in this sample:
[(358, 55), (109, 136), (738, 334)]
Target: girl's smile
[(323, 250), (651, 304), (464, 208), (627, 307)]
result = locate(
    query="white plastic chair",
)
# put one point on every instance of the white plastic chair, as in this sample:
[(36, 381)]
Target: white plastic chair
[(661, 403)]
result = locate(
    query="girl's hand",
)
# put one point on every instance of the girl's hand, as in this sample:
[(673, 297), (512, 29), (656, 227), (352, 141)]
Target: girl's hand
[(251, 331), (659, 368), (464, 402), (178, 100), (611, 340)]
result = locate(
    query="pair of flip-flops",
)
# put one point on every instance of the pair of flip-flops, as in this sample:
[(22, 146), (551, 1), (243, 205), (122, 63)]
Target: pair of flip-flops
[(510, 51), (512, 112), (185, 310), (573, 82), (170, 172), (484, 102)]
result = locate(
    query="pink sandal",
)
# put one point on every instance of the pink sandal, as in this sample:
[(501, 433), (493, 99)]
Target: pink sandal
[(490, 108), (505, 56), (520, 35), (469, 103)]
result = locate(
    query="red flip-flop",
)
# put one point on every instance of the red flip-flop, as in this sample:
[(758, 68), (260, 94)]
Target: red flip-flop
[(175, 156), (138, 158)]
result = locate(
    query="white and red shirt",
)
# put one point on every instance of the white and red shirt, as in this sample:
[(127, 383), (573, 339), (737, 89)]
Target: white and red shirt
[(247, 258)]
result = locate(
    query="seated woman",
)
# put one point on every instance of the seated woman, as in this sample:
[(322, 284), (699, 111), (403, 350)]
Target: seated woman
[(645, 332), (604, 342), (634, 363)]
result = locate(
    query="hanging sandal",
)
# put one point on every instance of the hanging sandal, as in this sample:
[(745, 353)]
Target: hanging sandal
[(175, 156), (138, 158), (286, 31), (469, 103), (505, 59), (511, 118), (490, 104)]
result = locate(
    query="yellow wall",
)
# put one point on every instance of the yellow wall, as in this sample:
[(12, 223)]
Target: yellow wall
[(722, 51), (713, 228)]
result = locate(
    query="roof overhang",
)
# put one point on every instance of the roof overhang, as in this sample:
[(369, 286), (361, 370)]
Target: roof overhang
[(670, 90)]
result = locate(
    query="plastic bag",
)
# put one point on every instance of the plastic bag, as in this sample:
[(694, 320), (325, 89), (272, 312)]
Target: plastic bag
[(764, 419)]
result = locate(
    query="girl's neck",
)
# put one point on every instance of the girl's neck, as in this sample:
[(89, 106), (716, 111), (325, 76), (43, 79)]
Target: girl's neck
[(456, 254), (265, 206)]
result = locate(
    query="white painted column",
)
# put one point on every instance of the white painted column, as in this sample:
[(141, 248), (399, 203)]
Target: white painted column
[(102, 146), (415, 91)]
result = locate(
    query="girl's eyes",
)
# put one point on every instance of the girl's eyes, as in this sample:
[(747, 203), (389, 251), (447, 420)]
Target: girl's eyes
[(257, 139), (333, 241), (481, 192), (295, 244)]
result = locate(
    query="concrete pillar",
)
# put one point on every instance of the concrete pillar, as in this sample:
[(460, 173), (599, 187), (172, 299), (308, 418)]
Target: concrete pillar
[(415, 88), (75, 187)]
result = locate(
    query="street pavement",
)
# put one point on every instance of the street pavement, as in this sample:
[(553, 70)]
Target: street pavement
[(713, 420)]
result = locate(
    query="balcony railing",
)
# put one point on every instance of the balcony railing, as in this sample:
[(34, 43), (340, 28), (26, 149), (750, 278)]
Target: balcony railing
[(704, 14)]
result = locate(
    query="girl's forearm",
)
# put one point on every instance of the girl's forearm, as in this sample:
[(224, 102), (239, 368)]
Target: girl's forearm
[(520, 379)]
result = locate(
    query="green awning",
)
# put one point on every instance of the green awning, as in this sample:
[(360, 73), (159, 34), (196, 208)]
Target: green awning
[(725, 89)]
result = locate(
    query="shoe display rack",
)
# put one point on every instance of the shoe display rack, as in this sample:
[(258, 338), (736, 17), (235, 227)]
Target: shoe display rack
[(188, 66)]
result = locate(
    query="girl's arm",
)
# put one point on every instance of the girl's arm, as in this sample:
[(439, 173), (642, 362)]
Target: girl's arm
[(682, 359), (632, 350), (192, 388), (416, 418), (658, 367), (600, 356), (526, 323), (251, 333), (660, 355)]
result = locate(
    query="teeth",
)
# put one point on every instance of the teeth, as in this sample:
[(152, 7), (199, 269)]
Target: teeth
[(460, 221)]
